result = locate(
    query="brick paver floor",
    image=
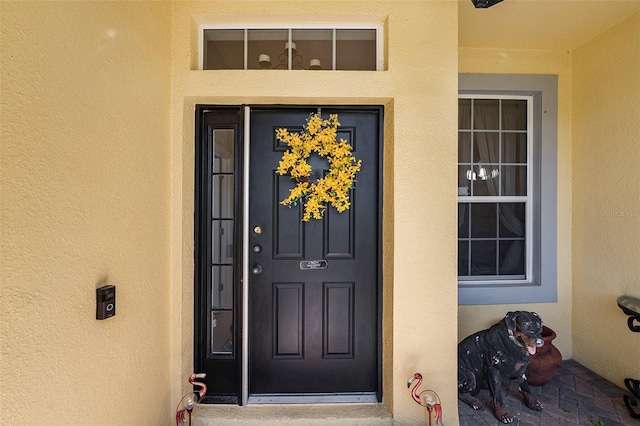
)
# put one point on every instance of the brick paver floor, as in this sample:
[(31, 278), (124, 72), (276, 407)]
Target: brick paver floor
[(575, 396)]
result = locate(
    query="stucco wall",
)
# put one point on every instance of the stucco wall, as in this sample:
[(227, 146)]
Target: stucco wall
[(86, 176), (606, 205), (555, 315), (85, 201), (419, 93)]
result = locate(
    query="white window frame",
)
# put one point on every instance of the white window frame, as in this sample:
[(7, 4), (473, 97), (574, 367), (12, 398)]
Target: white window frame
[(540, 283), (527, 199), (302, 26)]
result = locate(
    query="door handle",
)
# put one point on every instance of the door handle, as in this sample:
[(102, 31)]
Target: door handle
[(257, 269)]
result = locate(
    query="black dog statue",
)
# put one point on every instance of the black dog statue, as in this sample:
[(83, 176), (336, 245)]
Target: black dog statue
[(500, 352)]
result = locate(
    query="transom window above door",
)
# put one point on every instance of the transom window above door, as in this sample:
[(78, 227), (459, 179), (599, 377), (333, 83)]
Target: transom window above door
[(317, 47)]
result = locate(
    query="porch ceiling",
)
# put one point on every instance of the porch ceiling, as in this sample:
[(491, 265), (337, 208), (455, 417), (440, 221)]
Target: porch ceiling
[(539, 24)]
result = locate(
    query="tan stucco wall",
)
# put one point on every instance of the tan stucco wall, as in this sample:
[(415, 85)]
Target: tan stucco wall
[(555, 315), (97, 132), (419, 93), (606, 204), (85, 201)]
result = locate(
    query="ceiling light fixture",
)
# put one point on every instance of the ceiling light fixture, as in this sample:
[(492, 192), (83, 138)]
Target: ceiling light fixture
[(290, 53), (483, 4)]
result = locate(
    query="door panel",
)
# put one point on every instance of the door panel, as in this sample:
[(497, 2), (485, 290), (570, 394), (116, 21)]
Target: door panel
[(313, 301)]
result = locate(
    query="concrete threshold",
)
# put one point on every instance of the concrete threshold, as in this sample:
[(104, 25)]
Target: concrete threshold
[(292, 414)]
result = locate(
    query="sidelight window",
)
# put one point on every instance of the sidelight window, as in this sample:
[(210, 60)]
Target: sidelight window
[(317, 47), (222, 238), (217, 271)]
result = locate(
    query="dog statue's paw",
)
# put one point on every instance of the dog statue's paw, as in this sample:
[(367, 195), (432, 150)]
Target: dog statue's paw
[(535, 405), (466, 380), (506, 418), (531, 402), (500, 413), (476, 404), (471, 401)]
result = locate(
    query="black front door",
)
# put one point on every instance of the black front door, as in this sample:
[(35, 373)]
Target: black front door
[(314, 326)]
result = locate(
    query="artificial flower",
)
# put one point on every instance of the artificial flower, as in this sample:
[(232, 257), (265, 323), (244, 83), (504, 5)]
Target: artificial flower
[(318, 136)]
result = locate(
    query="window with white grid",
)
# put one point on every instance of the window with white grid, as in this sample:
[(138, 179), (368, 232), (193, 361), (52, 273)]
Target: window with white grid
[(507, 188), (494, 199)]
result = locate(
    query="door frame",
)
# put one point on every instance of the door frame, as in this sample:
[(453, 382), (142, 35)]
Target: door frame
[(242, 282)]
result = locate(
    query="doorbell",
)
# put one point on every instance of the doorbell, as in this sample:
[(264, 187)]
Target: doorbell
[(105, 302)]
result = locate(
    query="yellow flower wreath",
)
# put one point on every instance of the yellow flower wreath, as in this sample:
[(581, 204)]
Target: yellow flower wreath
[(319, 136)]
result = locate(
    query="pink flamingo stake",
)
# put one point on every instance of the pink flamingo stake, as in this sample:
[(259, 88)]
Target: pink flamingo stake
[(190, 400), (426, 398)]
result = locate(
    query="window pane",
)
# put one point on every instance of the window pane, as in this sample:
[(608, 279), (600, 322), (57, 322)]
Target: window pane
[(512, 220), (267, 49), (222, 240), (485, 182), (313, 49), (223, 151), (464, 182), (514, 180), (222, 287), (512, 257), (464, 147), (483, 258), (514, 147), (463, 258), (483, 220), (221, 332), (222, 197), (356, 50), (463, 220), (486, 148), (223, 49), (485, 114), (464, 114), (514, 114)]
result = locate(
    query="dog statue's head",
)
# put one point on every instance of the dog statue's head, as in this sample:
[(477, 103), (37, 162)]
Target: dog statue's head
[(525, 329)]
